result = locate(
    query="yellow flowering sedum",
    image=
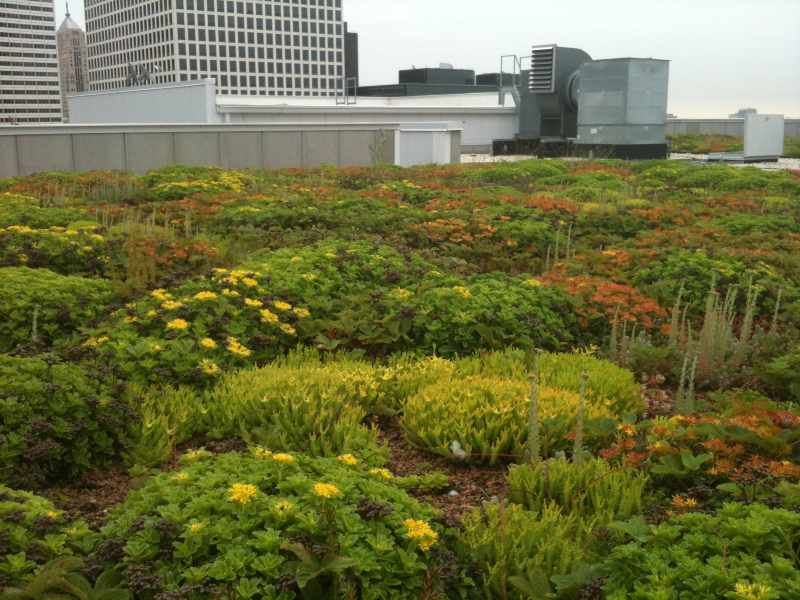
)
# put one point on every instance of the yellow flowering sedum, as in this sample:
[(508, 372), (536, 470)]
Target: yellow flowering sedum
[(421, 532), (283, 306), (463, 291), (301, 312), (385, 473), (177, 324), (180, 477), (236, 348), (348, 459), (250, 302), (242, 493), (288, 329), (171, 305), (282, 506), (268, 316), (208, 343), (284, 458), (195, 527), (209, 368), (325, 490), (263, 453), (205, 296)]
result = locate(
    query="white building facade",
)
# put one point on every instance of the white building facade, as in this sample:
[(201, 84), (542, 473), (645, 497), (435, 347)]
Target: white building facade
[(257, 47), (29, 89)]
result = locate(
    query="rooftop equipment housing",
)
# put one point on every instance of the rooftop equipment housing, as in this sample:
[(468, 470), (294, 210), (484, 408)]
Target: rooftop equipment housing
[(618, 104)]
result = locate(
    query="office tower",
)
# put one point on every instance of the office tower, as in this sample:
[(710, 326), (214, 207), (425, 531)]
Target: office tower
[(73, 68), (28, 68), (261, 47)]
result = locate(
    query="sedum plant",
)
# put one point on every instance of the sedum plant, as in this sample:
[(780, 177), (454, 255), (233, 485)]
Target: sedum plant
[(33, 532), (59, 580), (613, 496), (740, 552), (490, 417), (608, 384), (264, 525), (37, 304), (519, 542), (57, 419)]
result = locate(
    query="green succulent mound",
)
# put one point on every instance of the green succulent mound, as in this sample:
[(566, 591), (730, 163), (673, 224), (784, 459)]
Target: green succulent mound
[(32, 532), (741, 552), (57, 420), (277, 526)]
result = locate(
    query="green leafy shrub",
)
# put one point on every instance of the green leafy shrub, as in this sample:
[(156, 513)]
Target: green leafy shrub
[(608, 385), (201, 329), (489, 417), (264, 524), (518, 170), (21, 210), (460, 317), (707, 176), (790, 187), (56, 420), (62, 305), (784, 373), (548, 541), (63, 251), (742, 552), (613, 496), (176, 182), (32, 532)]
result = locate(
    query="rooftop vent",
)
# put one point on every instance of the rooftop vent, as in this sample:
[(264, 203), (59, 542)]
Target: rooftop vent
[(543, 68)]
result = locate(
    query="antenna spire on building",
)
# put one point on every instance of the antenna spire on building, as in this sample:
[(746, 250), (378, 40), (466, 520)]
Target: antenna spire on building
[(67, 3)]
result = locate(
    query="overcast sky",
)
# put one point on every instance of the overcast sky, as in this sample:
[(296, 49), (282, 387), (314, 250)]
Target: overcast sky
[(726, 54)]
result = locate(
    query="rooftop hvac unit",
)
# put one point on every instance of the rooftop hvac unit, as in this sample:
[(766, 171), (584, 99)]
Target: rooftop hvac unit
[(620, 103)]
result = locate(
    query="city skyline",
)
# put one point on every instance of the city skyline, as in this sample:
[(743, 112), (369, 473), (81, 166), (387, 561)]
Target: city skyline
[(721, 62)]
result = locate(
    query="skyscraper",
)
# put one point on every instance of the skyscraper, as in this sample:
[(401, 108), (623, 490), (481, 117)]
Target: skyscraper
[(259, 47), (73, 68), (28, 67)]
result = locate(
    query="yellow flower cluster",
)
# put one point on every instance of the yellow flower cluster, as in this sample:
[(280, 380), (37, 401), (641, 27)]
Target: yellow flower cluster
[(177, 324), (533, 283), (208, 343), (228, 292), (282, 506), (236, 348), (130, 319), (753, 591), (284, 458), (251, 302), (205, 296), (287, 329), (309, 277), (463, 291), (209, 368), (180, 477), (268, 316), (283, 306), (93, 342), (421, 532), (172, 304), (325, 490), (263, 453), (242, 493), (195, 527), (385, 473), (301, 312), (402, 293), (160, 294), (348, 459)]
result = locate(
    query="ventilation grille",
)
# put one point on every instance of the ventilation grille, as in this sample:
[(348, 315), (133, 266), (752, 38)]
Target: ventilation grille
[(543, 69)]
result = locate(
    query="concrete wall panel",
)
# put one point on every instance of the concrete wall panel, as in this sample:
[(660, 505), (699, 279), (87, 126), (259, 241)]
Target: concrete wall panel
[(242, 149), (197, 149), (8, 156), (37, 153), (321, 147), (99, 151), (355, 150), (283, 149), (145, 151)]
